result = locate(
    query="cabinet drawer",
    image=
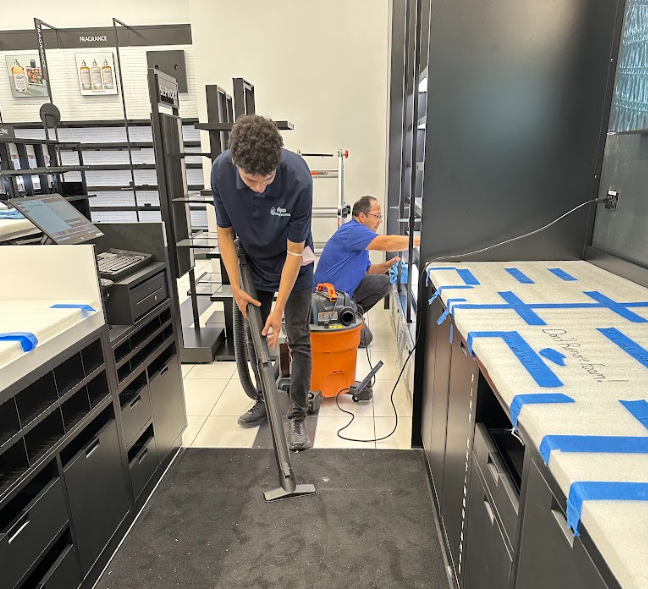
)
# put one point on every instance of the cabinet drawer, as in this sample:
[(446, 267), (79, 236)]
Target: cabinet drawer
[(488, 560), (64, 573), (498, 481), (24, 540), (148, 295), (97, 492), (135, 414), (143, 466)]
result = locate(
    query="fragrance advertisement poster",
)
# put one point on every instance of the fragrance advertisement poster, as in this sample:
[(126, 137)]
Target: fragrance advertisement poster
[(26, 75), (96, 73)]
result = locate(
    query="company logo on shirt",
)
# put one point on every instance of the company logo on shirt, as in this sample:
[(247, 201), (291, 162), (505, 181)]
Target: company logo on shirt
[(279, 212)]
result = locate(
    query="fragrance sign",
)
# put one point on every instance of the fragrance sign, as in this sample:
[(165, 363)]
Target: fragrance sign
[(96, 73), (26, 75)]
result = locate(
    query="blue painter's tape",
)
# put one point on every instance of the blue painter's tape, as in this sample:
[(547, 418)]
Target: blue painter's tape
[(639, 410), (618, 308), (86, 308), (554, 355), (600, 491), (628, 345), (593, 444), (442, 288), (520, 276), (562, 274), (521, 308), (533, 363), (27, 340), (468, 277), (448, 310), (451, 333), (535, 399)]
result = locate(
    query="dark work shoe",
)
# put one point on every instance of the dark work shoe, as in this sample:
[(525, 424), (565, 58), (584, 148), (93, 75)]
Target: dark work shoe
[(255, 416), (366, 337), (299, 434)]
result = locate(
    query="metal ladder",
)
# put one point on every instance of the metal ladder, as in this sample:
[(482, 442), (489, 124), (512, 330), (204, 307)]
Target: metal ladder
[(342, 211)]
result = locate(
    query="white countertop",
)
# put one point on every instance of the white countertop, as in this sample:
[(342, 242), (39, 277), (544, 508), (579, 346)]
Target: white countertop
[(604, 344)]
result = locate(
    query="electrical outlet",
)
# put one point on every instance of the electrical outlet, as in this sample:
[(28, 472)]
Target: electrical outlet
[(612, 202)]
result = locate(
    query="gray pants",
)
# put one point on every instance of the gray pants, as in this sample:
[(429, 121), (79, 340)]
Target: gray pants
[(371, 290), (297, 320)]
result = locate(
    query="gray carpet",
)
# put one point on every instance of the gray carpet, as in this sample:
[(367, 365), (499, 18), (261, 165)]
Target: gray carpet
[(370, 525)]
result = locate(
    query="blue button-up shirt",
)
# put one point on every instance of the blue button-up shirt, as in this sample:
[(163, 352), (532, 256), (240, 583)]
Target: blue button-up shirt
[(264, 222)]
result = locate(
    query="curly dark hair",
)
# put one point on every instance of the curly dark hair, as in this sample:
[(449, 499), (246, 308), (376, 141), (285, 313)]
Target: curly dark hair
[(255, 144)]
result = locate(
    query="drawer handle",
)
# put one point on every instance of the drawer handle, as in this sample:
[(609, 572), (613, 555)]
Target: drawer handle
[(136, 400), (141, 458), (561, 521), (164, 370), (489, 509), (463, 349), (18, 527), (92, 448), (492, 468)]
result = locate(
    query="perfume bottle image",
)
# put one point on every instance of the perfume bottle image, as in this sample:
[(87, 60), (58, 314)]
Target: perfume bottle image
[(95, 72), (19, 77), (34, 74), (107, 74), (84, 72)]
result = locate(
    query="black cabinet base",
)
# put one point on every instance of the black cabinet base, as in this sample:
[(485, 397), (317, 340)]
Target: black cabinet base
[(200, 346)]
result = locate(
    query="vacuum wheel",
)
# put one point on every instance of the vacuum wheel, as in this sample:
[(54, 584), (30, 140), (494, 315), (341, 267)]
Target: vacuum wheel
[(314, 401)]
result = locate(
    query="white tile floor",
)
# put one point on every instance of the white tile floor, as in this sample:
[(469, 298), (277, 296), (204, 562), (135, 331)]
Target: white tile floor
[(215, 399)]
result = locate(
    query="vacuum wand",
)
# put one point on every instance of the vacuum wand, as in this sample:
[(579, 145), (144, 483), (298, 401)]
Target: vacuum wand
[(288, 486)]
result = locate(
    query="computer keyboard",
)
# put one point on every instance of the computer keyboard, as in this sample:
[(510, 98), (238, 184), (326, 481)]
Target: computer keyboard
[(116, 264)]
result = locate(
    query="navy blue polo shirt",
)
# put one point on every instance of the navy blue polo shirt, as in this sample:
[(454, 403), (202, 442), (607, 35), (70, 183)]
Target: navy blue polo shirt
[(265, 221), (345, 259)]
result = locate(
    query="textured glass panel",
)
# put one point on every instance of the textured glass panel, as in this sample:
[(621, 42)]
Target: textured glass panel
[(630, 111)]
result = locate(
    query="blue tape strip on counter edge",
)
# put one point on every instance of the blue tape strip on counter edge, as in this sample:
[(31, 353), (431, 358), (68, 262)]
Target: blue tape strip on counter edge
[(628, 345), (593, 445), (562, 274), (535, 399), (451, 333), (521, 308), (638, 409), (442, 288), (534, 365), (448, 311), (27, 340), (520, 276), (600, 491), (86, 308)]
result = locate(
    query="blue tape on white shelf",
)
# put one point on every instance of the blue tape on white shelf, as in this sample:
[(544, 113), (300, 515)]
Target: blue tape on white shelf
[(628, 345), (448, 310), (27, 340), (466, 275), (86, 308), (535, 399), (442, 288), (521, 308), (554, 355), (533, 363), (639, 410), (562, 274), (600, 491), (593, 445), (451, 333), (520, 276), (618, 308)]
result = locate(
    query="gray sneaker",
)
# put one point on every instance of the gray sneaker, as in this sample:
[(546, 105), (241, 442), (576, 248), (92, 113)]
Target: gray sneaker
[(299, 434), (255, 416)]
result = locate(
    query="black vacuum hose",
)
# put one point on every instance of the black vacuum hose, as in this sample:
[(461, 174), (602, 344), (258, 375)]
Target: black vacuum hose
[(241, 355)]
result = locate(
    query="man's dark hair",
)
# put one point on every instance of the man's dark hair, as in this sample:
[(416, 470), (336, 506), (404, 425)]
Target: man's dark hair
[(363, 205), (255, 144)]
